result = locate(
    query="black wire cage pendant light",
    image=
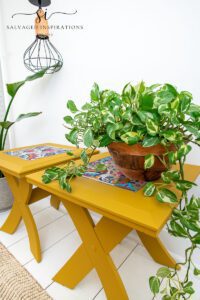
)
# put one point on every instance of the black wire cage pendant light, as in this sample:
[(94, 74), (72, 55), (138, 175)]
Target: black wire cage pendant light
[(42, 54)]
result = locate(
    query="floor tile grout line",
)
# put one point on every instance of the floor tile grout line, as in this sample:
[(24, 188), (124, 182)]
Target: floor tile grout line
[(119, 267), (38, 231), (51, 245), (134, 248), (97, 293), (46, 288), (59, 210), (46, 208), (37, 212)]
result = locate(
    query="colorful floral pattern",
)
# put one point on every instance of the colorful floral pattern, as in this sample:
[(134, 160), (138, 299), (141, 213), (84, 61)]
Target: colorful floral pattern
[(36, 152), (112, 175)]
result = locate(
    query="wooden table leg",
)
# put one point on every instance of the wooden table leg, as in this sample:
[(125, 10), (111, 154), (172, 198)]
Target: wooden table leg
[(157, 250), (14, 218), (110, 233), (55, 202), (95, 254), (22, 193)]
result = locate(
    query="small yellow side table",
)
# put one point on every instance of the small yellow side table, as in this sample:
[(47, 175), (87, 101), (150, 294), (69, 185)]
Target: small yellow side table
[(122, 211), (16, 164)]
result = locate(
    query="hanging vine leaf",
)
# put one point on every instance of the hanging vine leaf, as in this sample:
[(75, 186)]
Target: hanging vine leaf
[(88, 138), (166, 196), (163, 272), (154, 283), (184, 185), (149, 189)]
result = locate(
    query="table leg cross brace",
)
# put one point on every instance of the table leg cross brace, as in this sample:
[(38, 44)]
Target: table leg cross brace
[(98, 241), (93, 253), (23, 196)]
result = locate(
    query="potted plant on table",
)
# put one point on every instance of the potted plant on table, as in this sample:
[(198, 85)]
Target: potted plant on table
[(147, 130), (6, 198)]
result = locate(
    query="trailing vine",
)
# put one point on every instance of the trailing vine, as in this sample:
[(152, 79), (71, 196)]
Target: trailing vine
[(184, 223)]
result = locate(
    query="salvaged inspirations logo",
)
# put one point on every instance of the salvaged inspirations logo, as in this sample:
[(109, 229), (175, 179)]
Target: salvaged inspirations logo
[(42, 54), (51, 28), (42, 18)]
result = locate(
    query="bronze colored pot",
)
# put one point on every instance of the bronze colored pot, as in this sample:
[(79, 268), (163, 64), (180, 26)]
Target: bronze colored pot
[(130, 160)]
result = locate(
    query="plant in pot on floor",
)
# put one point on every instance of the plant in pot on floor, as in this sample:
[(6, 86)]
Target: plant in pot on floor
[(6, 198), (147, 130)]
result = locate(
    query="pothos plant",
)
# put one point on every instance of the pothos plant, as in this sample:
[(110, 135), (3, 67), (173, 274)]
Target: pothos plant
[(149, 115), (5, 124)]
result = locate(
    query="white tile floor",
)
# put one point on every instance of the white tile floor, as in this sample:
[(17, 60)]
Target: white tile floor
[(59, 240)]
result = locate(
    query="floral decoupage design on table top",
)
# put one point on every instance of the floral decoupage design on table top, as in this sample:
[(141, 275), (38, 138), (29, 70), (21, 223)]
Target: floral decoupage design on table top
[(112, 175), (36, 152)]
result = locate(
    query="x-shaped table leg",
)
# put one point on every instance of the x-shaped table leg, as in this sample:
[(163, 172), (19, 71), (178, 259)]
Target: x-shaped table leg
[(14, 217), (108, 234), (92, 254), (20, 210)]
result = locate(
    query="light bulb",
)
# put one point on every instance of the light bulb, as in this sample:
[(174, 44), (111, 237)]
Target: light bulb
[(42, 54)]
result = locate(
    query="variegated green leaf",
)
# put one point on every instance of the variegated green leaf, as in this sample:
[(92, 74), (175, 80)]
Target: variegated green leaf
[(149, 161), (183, 150), (111, 128), (149, 189), (193, 129), (152, 127), (88, 137), (130, 138), (72, 106), (150, 141), (170, 135), (154, 284), (175, 104), (128, 93), (184, 185), (185, 101), (163, 272), (177, 229), (95, 93), (166, 196), (100, 168), (172, 156), (108, 117), (164, 109), (68, 120)]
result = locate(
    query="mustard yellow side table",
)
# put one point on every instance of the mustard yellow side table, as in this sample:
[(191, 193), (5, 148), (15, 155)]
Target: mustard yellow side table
[(16, 164), (122, 211)]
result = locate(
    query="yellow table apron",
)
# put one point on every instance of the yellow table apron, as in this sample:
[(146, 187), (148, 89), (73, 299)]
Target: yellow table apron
[(15, 168), (122, 211)]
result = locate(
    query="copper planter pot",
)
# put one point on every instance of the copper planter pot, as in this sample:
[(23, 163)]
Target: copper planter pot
[(130, 160)]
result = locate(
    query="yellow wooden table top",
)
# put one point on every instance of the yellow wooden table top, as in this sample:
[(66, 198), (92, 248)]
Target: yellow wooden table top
[(20, 167), (130, 208)]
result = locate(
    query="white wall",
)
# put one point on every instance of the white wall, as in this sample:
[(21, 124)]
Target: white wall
[(2, 105), (157, 41)]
